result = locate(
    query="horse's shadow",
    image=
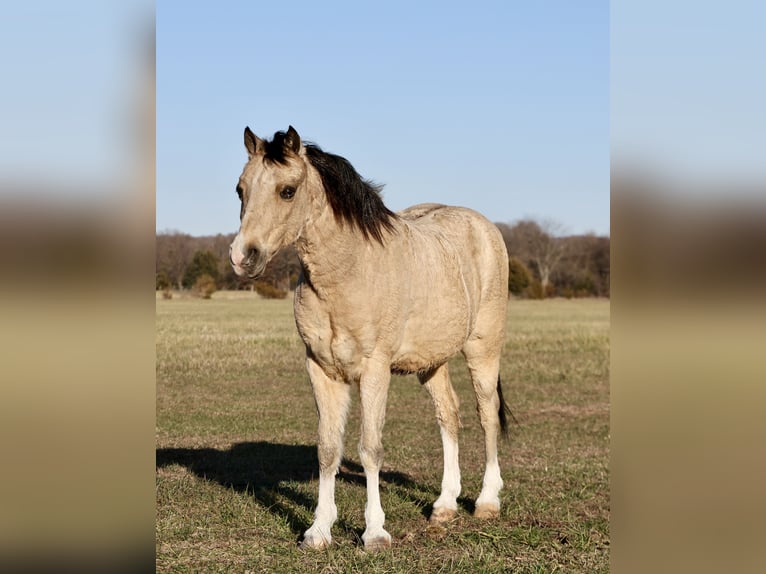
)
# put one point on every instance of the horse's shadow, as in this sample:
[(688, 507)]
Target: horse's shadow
[(269, 471)]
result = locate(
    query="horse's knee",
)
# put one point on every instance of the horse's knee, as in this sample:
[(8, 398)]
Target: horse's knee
[(446, 402), (371, 455), (449, 420), (329, 457), (487, 406), (489, 401)]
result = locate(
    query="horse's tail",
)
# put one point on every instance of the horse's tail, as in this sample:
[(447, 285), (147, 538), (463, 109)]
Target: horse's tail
[(504, 412)]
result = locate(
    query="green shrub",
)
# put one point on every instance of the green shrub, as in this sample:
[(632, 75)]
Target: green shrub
[(203, 263), (518, 276), (161, 281), (205, 286), (268, 291), (535, 290)]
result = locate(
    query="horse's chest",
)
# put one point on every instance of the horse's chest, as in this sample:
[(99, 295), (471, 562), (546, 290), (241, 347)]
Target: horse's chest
[(338, 348), (339, 354)]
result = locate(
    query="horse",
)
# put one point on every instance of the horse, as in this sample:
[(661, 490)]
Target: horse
[(380, 293)]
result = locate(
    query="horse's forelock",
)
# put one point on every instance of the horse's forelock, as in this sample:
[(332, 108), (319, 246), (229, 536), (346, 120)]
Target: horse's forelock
[(275, 149)]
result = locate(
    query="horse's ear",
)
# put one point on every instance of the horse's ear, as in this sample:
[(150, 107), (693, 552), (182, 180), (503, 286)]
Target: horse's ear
[(253, 143), (292, 140)]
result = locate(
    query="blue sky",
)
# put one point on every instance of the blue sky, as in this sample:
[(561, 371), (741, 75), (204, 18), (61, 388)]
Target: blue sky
[(71, 74), (499, 106), (688, 90)]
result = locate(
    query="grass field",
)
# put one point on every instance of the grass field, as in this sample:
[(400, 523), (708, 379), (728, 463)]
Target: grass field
[(237, 465)]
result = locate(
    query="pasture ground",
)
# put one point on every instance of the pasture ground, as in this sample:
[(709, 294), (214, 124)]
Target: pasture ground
[(237, 467)]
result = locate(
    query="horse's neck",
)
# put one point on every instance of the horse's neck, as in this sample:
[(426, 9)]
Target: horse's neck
[(331, 253)]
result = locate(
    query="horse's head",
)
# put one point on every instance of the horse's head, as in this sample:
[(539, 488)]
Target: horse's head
[(275, 202)]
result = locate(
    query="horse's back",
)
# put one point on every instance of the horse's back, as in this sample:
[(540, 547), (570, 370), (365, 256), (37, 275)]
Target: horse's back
[(470, 244), (415, 212), (472, 236), (438, 213)]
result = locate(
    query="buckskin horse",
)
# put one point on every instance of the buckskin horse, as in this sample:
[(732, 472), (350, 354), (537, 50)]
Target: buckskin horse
[(380, 293)]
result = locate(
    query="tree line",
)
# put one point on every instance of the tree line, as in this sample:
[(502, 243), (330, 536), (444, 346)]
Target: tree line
[(542, 263), (545, 263)]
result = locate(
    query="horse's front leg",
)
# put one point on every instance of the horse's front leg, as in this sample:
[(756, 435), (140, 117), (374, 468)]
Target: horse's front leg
[(373, 392), (332, 400)]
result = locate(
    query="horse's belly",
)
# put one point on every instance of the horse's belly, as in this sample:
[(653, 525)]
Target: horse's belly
[(423, 349)]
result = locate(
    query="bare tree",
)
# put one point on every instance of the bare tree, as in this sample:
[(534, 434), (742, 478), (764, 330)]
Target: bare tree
[(538, 244), (584, 268), (173, 252)]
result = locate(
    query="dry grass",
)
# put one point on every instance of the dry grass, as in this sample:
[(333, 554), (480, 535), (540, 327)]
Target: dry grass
[(236, 457)]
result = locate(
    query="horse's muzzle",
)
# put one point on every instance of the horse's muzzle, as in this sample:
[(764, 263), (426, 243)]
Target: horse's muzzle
[(251, 264)]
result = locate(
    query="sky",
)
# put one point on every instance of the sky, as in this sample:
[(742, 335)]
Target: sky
[(498, 106), (688, 90), (71, 77), (509, 108)]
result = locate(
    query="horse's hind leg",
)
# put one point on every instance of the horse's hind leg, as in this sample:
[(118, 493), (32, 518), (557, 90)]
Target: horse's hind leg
[(484, 367), (446, 403), (332, 400)]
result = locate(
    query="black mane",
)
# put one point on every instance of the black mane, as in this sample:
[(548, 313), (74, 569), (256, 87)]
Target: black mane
[(353, 199)]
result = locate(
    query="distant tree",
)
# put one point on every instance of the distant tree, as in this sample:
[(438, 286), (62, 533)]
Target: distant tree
[(584, 269), (284, 270), (518, 276), (173, 252), (218, 245), (507, 232), (537, 244), (600, 263), (203, 262)]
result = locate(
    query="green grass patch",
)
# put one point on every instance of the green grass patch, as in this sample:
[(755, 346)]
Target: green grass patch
[(237, 465)]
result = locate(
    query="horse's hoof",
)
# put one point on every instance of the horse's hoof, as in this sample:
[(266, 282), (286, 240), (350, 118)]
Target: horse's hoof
[(442, 515), (486, 511), (378, 543), (310, 542)]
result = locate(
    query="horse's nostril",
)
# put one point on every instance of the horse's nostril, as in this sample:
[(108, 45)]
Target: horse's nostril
[(250, 258), (241, 257)]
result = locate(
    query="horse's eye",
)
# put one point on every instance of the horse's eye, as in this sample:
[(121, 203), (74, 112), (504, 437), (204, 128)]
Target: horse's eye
[(287, 193), (239, 192)]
